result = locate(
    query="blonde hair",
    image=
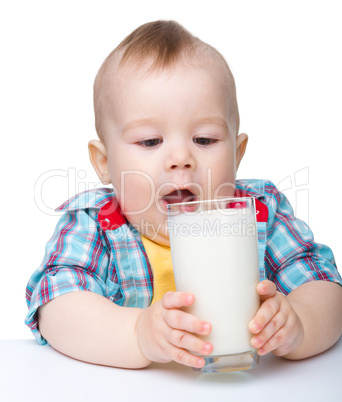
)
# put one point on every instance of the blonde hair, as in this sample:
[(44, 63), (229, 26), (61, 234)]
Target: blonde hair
[(164, 43)]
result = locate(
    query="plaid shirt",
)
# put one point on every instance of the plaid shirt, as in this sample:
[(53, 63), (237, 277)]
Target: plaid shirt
[(95, 249)]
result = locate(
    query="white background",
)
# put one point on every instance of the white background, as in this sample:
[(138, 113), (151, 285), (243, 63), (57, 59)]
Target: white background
[(286, 58)]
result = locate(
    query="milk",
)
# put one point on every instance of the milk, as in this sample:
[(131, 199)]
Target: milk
[(215, 257)]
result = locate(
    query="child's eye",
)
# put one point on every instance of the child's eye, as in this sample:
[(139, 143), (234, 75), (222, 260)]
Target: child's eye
[(151, 143), (204, 141)]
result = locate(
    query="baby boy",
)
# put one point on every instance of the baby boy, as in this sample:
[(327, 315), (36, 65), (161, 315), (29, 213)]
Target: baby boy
[(168, 125)]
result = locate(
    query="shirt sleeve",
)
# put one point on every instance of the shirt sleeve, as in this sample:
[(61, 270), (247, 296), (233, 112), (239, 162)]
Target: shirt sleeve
[(75, 260), (292, 256)]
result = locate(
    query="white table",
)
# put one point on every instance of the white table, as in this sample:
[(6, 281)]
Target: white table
[(29, 372)]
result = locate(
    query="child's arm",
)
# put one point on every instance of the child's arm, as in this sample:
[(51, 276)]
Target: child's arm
[(89, 327), (306, 322)]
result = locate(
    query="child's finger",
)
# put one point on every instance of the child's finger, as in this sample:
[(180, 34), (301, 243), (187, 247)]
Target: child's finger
[(266, 289), (265, 314), (178, 319), (177, 299), (278, 321), (182, 356), (189, 342), (277, 341)]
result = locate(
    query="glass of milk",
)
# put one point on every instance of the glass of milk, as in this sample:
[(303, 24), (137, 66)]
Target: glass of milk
[(215, 256)]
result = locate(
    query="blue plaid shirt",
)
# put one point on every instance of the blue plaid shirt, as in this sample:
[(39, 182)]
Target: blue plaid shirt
[(95, 249)]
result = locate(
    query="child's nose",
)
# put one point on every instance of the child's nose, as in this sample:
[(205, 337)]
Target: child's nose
[(180, 158)]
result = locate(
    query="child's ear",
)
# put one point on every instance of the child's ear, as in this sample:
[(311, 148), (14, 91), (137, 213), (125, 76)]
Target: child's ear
[(98, 158), (241, 145)]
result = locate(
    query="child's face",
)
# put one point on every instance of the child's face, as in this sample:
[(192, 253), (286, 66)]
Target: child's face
[(166, 132)]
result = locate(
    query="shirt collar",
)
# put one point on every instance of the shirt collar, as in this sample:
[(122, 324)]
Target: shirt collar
[(94, 199), (250, 187)]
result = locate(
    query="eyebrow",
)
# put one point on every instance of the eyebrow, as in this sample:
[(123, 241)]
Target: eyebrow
[(214, 120), (138, 123)]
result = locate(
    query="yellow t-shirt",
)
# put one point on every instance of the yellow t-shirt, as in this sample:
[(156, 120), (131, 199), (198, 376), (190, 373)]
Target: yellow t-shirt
[(161, 264)]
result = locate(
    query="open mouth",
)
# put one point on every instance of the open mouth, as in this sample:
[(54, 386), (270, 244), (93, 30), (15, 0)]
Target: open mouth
[(178, 196)]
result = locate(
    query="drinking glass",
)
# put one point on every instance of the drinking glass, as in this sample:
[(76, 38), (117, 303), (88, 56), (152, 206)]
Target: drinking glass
[(215, 256)]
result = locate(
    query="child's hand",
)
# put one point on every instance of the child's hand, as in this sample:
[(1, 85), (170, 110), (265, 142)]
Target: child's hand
[(166, 333), (276, 326)]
